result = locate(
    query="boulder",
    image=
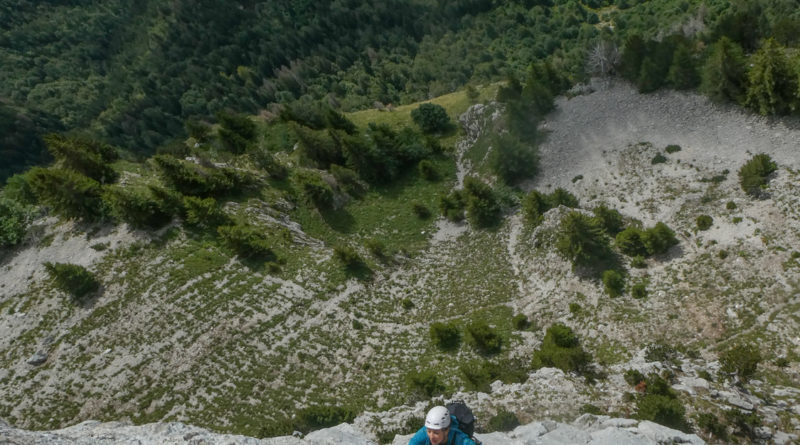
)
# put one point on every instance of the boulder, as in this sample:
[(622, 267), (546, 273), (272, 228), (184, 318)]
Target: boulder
[(38, 358)]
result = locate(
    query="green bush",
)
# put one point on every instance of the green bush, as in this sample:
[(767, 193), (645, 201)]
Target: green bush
[(610, 219), (73, 279), (406, 303), (658, 159), (629, 242), (613, 283), (322, 416), (512, 159), (672, 148), (348, 256), (633, 377), (562, 197), (664, 410), (377, 248), (484, 338), (348, 181), (638, 262), (534, 204), (445, 336), (661, 352), (88, 157), (658, 239), (476, 376), (67, 192), (421, 210), (730, 205), (744, 424), (502, 421), (431, 118), (425, 384), (711, 424), (581, 240), (561, 349), (139, 206), (741, 360), (204, 212), (427, 170), (482, 203), (314, 189), (639, 290), (247, 241), (704, 222), (520, 322), (452, 205), (266, 161), (754, 174), (14, 219)]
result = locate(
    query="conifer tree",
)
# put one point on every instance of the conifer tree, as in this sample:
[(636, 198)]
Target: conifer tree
[(723, 76), (772, 83)]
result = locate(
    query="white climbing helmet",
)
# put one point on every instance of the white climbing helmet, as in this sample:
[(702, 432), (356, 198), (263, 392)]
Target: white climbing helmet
[(438, 418)]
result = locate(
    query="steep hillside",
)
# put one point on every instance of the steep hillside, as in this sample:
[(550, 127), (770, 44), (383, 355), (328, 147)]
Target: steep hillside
[(183, 330)]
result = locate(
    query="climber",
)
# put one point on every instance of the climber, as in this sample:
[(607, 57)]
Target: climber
[(440, 429)]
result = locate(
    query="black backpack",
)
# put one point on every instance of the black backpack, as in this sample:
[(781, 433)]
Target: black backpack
[(466, 420)]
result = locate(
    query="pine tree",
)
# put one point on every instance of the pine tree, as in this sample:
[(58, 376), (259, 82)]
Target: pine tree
[(723, 76), (772, 83)]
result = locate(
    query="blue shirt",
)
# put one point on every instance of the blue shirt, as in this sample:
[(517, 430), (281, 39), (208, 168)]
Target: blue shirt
[(455, 437)]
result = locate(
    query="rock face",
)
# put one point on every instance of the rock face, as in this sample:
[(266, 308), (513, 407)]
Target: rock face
[(587, 429)]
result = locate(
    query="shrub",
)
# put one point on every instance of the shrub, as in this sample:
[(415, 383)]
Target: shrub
[(446, 336), (658, 159), (744, 424), (484, 338), (314, 189), (534, 204), (753, 175), (266, 161), (562, 197), (581, 240), (204, 212), (482, 203), (574, 308), (322, 416), (431, 118), (452, 205), (613, 283), (633, 377), (741, 360), (68, 193), (664, 410), (704, 222), (661, 352), (406, 303), (520, 322), (561, 349), (638, 262), (672, 148), (247, 241), (420, 210), (425, 384), (376, 247), (348, 256), (236, 131), (503, 421), (639, 290), (138, 206), (658, 239), (629, 242), (610, 219), (427, 170), (476, 376), (73, 279), (588, 408), (14, 219), (512, 159), (85, 156), (730, 205), (711, 424), (348, 180)]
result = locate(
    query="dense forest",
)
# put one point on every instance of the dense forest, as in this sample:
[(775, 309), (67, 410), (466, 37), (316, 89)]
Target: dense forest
[(132, 73)]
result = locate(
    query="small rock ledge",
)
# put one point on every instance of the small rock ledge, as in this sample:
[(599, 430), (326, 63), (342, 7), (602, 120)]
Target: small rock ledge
[(587, 429)]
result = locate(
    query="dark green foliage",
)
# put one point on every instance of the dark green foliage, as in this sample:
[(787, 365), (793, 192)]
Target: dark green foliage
[(520, 322), (139, 206), (198, 129), (236, 131), (613, 283), (318, 146), (266, 161), (534, 204), (14, 219), (561, 197), (661, 352), (482, 203), (754, 174), (638, 262), (744, 424), (710, 424), (724, 73), (629, 242), (664, 410), (581, 240), (322, 416), (21, 144), (730, 205), (445, 336), (633, 377), (348, 256), (588, 408), (683, 72), (658, 239), (377, 248), (476, 376), (484, 338), (427, 170), (339, 121), (704, 222), (575, 308), (204, 212), (18, 188), (73, 279), (639, 290), (425, 384), (772, 81), (348, 181), (407, 303), (452, 205), (610, 219), (247, 241), (88, 157), (314, 188), (502, 421), (672, 148), (431, 118), (421, 210), (561, 349), (658, 159), (67, 193), (742, 360), (191, 179)]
